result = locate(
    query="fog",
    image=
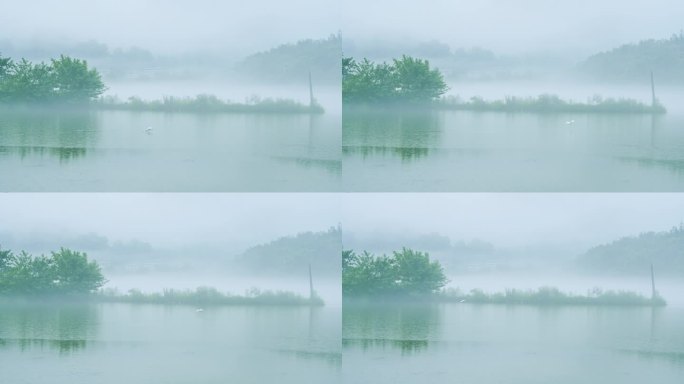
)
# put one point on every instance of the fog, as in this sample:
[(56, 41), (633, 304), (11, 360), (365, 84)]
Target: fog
[(514, 220), (182, 241), (560, 28), (171, 220), (502, 241), (170, 27)]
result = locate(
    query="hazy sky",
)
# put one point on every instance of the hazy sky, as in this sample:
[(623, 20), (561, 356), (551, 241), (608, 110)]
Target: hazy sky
[(515, 26), (169, 220), (514, 219), (171, 25)]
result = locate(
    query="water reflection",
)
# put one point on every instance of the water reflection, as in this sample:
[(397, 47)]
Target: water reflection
[(333, 167), (469, 151), (409, 135), (405, 153), (408, 328), (64, 154), (65, 328), (64, 135), (146, 151)]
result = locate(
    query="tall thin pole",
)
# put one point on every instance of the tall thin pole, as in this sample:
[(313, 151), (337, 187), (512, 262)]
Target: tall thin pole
[(311, 96), (311, 288), (653, 289)]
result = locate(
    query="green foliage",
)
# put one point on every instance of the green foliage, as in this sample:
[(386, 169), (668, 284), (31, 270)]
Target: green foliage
[(209, 296), (73, 81), (550, 296), (635, 254), (551, 104), (634, 62), (63, 80), (406, 79), (63, 272), (208, 104), (406, 272)]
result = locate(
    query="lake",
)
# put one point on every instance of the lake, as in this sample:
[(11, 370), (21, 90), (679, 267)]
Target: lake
[(470, 343), (496, 152), (123, 343), (114, 151)]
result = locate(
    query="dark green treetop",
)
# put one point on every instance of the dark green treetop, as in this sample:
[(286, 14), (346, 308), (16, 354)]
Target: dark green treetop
[(62, 80), (63, 272), (406, 79), (404, 273)]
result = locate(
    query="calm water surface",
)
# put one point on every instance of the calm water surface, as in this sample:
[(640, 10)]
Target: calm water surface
[(122, 343), (467, 343), (470, 151), (113, 151)]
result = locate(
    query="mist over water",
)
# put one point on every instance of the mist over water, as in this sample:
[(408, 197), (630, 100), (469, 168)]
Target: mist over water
[(495, 243), (169, 343), (241, 245), (202, 146), (482, 343), (122, 151)]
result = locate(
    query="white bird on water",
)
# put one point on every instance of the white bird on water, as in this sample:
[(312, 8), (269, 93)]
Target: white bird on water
[(198, 310), (148, 130), (570, 122)]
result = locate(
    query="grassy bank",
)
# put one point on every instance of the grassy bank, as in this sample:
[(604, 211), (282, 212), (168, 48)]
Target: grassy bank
[(550, 104), (208, 296), (544, 296), (550, 296), (514, 104), (207, 104), (197, 104), (202, 296)]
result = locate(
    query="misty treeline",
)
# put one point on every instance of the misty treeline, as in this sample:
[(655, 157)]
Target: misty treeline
[(205, 103), (550, 296), (630, 62), (552, 104), (290, 255), (406, 79), (410, 274), (291, 62), (285, 63), (410, 80), (64, 79), (209, 296), (61, 272), (403, 273), (68, 273), (474, 63), (633, 255)]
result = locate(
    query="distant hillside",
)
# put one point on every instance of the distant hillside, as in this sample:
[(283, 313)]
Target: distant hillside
[(460, 63), (323, 250), (634, 254), (634, 62), (292, 62), (455, 256)]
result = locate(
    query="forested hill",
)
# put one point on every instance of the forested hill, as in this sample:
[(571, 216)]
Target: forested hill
[(292, 62), (293, 254), (634, 62), (634, 254)]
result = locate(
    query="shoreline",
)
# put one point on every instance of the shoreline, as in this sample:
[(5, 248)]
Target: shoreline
[(199, 297), (513, 105), (542, 297), (289, 108)]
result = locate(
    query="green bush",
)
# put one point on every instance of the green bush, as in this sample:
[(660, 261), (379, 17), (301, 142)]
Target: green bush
[(404, 273), (63, 272)]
